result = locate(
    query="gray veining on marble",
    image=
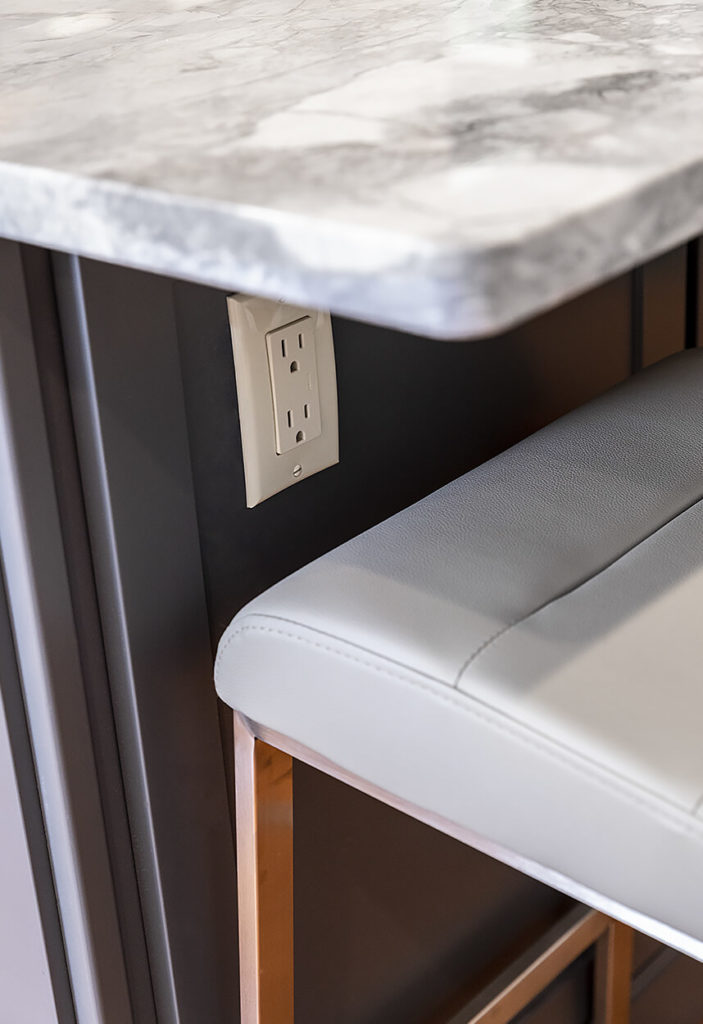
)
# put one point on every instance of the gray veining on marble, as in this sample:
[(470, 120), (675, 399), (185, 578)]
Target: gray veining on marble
[(446, 166)]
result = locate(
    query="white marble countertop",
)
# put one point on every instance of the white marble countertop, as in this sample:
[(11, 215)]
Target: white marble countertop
[(446, 166)]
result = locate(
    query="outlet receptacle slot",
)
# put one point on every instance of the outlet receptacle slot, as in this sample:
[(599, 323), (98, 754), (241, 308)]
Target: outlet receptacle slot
[(294, 384)]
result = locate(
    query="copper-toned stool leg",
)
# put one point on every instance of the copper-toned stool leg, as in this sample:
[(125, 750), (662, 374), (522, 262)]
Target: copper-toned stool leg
[(264, 807), (264, 825), (613, 975)]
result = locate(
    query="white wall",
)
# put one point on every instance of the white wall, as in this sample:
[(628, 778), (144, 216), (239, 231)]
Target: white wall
[(25, 988)]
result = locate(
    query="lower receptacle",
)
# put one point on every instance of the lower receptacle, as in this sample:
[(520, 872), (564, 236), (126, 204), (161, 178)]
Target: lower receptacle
[(287, 392)]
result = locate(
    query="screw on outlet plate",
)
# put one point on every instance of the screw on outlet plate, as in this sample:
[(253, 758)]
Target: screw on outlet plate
[(297, 470)]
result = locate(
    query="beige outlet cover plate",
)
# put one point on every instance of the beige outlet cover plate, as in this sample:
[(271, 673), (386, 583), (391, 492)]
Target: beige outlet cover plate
[(266, 472)]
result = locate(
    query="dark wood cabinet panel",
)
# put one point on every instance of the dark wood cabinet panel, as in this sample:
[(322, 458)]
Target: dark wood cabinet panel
[(392, 918), (664, 306)]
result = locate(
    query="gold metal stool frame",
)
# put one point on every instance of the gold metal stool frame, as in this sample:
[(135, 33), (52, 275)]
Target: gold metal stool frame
[(264, 826)]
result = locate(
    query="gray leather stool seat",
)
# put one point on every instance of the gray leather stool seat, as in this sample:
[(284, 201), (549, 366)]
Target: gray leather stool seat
[(519, 656)]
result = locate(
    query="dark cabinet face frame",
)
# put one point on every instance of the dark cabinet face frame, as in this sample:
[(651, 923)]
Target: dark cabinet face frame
[(35, 561), (126, 396), (102, 565)]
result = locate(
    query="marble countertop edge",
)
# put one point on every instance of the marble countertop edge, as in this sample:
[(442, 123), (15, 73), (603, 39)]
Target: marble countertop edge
[(445, 290), (449, 169)]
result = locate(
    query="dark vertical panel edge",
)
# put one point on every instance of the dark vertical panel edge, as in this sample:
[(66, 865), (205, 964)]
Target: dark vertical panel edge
[(43, 625), (636, 319), (127, 396), (62, 444), (693, 294)]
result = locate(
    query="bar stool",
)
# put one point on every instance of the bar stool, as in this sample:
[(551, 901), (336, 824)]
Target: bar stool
[(516, 660)]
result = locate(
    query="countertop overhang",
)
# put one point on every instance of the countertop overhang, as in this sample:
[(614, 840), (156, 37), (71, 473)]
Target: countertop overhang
[(448, 167)]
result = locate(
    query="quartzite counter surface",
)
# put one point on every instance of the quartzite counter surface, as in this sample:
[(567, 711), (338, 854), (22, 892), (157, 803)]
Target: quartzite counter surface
[(444, 166)]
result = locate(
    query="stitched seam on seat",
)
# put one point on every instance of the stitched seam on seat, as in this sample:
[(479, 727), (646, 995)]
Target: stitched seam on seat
[(602, 777), (349, 645), (570, 590)]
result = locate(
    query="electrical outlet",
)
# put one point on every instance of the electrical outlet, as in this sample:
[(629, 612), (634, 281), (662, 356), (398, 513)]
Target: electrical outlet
[(296, 391), (287, 392)]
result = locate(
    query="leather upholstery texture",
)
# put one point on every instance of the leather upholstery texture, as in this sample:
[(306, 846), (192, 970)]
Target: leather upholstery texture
[(521, 653)]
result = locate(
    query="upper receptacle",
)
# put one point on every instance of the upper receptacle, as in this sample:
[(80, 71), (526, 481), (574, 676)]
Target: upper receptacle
[(294, 384)]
